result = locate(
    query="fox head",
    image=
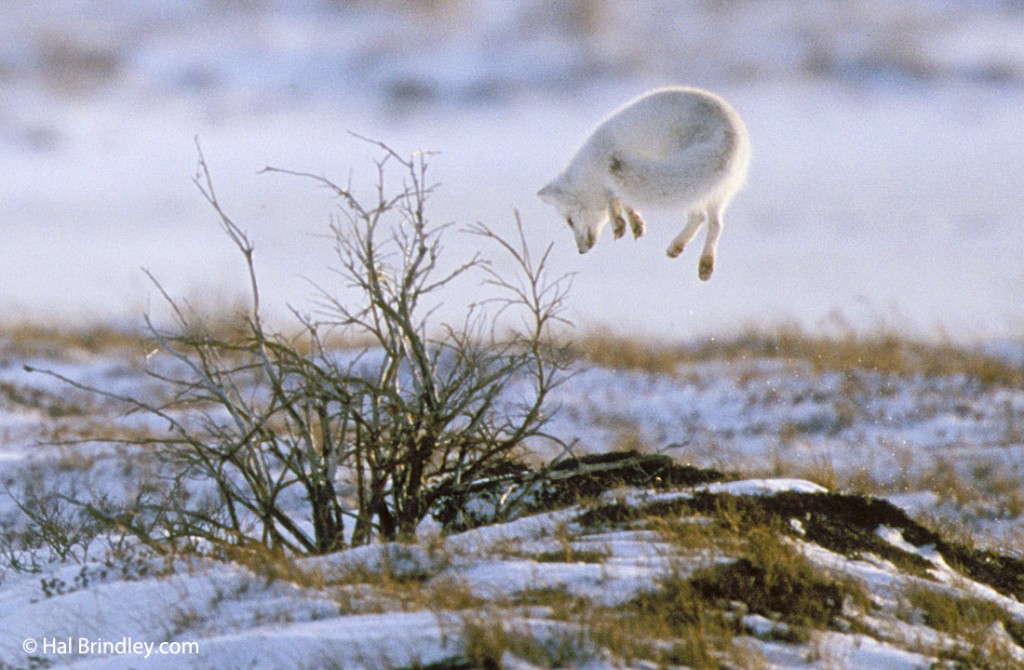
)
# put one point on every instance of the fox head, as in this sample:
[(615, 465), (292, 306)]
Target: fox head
[(586, 219)]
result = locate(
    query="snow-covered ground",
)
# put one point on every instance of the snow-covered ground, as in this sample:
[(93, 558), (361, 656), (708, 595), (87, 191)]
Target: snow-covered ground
[(946, 448), (884, 190)]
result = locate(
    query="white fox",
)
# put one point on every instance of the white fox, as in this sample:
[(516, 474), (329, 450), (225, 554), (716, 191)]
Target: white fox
[(675, 146)]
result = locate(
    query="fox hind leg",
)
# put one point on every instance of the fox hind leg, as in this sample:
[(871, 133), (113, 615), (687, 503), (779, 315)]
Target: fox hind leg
[(707, 257), (693, 224), (615, 214)]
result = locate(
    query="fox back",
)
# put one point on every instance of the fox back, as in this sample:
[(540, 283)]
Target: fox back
[(674, 146)]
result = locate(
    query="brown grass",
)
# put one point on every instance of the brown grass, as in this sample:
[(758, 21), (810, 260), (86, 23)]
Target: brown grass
[(73, 66), (62, 341), (567, 552), (274, 566), (381, 593), (672, 624), (696, 536), (620, 352), (885, 353), (385, 587), (52, 405), (560, 603), (774, 579), (984, 634), (59, 341), (487, 639)]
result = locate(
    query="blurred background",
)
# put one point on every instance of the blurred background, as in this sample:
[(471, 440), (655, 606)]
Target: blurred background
[(886, 191)]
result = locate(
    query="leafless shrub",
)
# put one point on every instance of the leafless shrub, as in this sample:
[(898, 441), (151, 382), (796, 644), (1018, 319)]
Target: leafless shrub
[(48, 526), (267, 432)]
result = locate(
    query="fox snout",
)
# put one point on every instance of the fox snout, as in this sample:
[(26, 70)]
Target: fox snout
[(585, 241)]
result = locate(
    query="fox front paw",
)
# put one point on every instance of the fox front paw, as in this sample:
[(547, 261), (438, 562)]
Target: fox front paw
[(674, 250), (615, 214), (636, 222)]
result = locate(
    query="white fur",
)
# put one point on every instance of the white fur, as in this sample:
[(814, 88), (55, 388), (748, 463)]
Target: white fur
[(676, 147)]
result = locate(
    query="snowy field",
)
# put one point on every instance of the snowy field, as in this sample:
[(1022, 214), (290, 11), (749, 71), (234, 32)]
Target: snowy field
[(885, 187), (559, 589), (884, 198)]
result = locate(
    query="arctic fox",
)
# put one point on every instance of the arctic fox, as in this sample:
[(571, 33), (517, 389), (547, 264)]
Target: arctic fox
[(676, 146)]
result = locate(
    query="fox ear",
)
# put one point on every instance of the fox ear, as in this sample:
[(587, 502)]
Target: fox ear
[(552, 193)]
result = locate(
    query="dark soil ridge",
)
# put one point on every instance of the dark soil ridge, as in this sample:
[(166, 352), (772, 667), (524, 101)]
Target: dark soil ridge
[(571, 480), (518, 491), (843, 523)]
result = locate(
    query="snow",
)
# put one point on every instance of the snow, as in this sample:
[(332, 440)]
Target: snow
[(853, 651), (735, 415), (409, 638), (759, 487), (777, 414)]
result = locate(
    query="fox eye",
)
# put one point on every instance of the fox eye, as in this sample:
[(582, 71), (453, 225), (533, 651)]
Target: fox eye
[(568, 220)]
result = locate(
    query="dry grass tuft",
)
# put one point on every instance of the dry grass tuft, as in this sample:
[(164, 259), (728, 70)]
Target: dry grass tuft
[(568, 552), (560, 604), (274, 566), (619, 352), (402, 581), (774, 579), (984, 635), (378, 594), (488, 641), (673, 624)]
